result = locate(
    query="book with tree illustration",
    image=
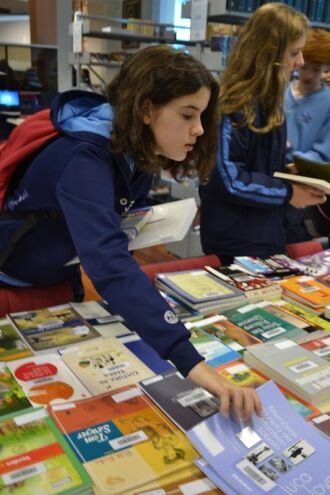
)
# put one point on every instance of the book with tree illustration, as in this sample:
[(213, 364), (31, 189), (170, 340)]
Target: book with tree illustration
[(12, 345)]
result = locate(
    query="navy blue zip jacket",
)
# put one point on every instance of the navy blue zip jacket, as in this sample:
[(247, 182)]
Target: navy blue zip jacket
[(242, 204), (78, 175)]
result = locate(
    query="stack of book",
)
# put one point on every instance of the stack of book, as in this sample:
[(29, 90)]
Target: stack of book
[(298, 369), (277, 266), (255, 288), (200, 290), (311, 293)]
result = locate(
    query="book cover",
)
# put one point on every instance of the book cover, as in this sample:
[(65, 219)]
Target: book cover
[(314, 320), (280, 312), (316, 264), (12, 397), (104, 365), (12, 346), (182, 400), (291, 365), (253, 265), (46, 379), (53, 327), (135, 219), (197, 286), (214, 326), (214, 477), (123, 440), (321, 184), (170, 222), (96, 313), (261, 324), (277, 453), (182, 311), (309, 290), (242, 280), (320, 346), (322, 423), (211, 348), (145, 353), (36, 459)]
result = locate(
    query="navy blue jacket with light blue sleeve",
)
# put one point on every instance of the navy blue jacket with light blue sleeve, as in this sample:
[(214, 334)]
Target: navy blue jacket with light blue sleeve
[(79, 175), (242, 204)]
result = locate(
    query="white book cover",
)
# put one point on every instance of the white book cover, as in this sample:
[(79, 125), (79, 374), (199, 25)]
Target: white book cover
[(170, 222), (47, 380)]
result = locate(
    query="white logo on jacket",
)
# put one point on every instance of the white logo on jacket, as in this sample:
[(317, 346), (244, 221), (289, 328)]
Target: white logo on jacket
[(170, 317)]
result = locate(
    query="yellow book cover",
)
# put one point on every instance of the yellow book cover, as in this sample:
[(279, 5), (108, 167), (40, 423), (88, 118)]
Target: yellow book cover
[(105, 364)]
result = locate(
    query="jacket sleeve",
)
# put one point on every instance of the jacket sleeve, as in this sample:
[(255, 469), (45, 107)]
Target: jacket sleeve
[(320, 149), (240, 184), (86, 194)]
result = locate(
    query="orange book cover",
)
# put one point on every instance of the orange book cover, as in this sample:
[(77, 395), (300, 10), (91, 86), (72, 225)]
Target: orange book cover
[(315, 292)]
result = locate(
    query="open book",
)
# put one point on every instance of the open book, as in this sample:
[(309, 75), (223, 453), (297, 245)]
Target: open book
[(169, 223), (311, 173)]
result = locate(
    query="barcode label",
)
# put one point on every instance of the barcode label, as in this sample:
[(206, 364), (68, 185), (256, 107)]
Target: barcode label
[(192, 397), (273, 332), (111, 370), (128, 440), (323, 352), (23, 474), (306, 365), (255, 475)]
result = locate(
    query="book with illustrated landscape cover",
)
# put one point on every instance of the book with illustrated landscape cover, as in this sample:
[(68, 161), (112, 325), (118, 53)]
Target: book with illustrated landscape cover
[(12, 396), (36, 459), (268, 454), (12, 345), (52, 328), (123, 440)]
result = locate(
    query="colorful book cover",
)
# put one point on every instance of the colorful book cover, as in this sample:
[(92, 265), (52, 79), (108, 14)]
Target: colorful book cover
[(105, 364), (12, 346), (253, 265), (242, 280), (316, 264), (36, 459), (320, 346), (211, 348), (135, 219), (243, 375), (271, 453), (313, 320), (285, 315), (46, 379), (291, 365), (311, 291), (145, 353), (52, 327), (12, 397), (261, 324), (180, 398), (123, 440)]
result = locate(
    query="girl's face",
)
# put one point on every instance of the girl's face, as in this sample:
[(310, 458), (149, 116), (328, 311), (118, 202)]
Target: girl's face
[(177, 125), (293, 57)]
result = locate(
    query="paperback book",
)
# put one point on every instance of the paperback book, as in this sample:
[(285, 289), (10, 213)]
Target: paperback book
[(46, 379), (104, 365), (36, 459), (316, 264), (262, 324), (135, 219), (12, 346), (52, 328), (211, 348), (278, 452), (304, 313), (308, 290), (321, 184), (12, 397), (123, 441), (322, 423), (296, 368), (182, 400)]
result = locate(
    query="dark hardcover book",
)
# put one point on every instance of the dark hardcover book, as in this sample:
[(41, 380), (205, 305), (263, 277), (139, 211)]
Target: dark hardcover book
[(180, 398)]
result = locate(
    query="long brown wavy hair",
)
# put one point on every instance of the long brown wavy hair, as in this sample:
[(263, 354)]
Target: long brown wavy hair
[(160, 74), (254, 77)]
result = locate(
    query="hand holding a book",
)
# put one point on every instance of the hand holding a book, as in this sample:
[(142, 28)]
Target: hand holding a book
[(303, 196), (242, 401)]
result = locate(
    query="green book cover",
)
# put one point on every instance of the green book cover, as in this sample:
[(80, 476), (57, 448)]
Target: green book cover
[(311, 168), (12, 345), (36, 459), (12, 397), (262, 324)]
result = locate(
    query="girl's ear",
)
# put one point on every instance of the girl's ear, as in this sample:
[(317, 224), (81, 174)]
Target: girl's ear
[(146, 111)]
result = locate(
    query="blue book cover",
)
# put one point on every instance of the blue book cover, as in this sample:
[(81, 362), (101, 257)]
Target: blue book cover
[(279, 453), (146, 354), (214, 477)]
